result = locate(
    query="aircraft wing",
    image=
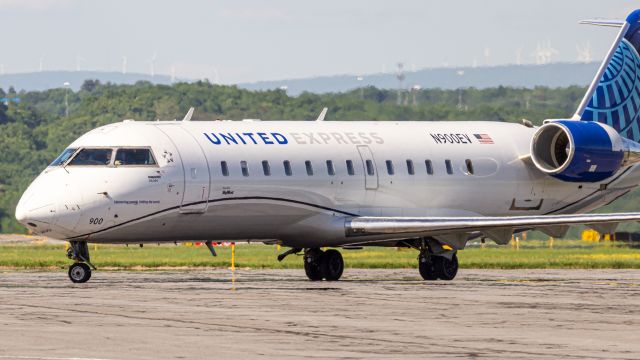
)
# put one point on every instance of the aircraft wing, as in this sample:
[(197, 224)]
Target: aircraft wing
[(498, 228)]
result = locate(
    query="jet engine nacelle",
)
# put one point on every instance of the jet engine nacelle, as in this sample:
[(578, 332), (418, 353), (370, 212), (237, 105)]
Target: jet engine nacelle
[(580, 151)]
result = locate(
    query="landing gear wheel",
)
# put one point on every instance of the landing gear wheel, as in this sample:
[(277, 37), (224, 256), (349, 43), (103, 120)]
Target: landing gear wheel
[(79, 273), (426, 267), (446, 269), (332, 265), (312, 259)]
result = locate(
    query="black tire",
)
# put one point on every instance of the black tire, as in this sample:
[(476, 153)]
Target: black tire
[(427, 268), (79, 273), (312, 267), (446, 269), (332, 265)]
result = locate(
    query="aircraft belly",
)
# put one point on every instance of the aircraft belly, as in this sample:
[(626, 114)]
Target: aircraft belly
[(233, 220)]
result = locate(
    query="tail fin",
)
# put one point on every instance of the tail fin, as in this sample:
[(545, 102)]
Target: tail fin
[(614, 95)]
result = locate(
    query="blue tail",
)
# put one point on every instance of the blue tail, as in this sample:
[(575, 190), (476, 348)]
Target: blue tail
[(614, 96)]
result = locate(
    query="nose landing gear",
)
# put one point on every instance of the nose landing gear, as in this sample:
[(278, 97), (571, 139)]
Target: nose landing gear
[(80, 271)]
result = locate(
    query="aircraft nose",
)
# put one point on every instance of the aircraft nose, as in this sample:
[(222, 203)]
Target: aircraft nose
[(35, 212)]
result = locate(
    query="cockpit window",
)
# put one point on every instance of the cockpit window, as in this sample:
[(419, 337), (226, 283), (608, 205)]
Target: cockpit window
[(134, 156), (66, 154), (92, 157)]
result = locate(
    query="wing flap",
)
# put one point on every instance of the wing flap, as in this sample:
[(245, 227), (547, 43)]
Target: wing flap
[(365, 225)]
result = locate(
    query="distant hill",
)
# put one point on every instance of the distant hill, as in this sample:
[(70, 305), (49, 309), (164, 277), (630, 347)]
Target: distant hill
[(39, 81), (527, 76)]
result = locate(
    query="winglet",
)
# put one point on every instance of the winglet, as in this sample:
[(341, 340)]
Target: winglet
[(322, 114), (189, 115)]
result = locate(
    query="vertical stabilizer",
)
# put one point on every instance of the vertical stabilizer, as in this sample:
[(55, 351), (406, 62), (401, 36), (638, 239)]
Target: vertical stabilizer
[(613, 98)]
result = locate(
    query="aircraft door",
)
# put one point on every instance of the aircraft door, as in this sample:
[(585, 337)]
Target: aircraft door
[(196, 175), (369, 165)]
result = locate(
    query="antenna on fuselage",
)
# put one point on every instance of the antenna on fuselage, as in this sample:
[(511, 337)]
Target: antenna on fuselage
[(322, 114), (189, 114)]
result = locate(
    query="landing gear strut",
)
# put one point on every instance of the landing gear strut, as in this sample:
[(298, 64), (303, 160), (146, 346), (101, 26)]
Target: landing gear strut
[(320, 264), (80, 271), (433, 267)]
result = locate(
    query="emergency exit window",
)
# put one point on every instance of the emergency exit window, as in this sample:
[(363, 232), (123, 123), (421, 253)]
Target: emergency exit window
[(369, 166)]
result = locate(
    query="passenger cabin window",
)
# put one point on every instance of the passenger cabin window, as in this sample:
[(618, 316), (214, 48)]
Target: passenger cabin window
[(330, 169), (447, 163), (469, 166), (429, 167), (410, 168), (266, 169), (136, 157), (224, 168), (389, 167), (92, 157), (350, 169), (245, 168), (369, 166), (309, 167), (66, 154), (287, 168)]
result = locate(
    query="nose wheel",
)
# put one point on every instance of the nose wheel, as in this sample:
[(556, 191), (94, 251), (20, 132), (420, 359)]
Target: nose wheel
[(80, 271)]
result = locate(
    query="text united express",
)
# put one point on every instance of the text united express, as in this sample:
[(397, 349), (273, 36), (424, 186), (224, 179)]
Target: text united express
[(303, 138)]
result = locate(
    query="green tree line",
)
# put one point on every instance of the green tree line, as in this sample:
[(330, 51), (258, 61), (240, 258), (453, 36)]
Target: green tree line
[(36, 129)]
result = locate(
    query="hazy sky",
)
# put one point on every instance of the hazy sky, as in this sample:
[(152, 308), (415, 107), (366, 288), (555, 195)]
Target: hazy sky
[(253, 40)]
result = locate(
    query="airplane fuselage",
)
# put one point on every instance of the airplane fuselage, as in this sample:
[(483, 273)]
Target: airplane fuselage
[(297, 182)]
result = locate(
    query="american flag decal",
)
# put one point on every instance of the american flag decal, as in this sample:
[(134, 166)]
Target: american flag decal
[(484, 138)]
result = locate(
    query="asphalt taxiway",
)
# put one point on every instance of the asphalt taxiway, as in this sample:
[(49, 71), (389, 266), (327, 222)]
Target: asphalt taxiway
[(570, 314)]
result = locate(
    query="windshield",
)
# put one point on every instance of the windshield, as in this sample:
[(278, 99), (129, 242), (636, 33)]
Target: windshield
[(92, 157), (66, 154), (131, 156)]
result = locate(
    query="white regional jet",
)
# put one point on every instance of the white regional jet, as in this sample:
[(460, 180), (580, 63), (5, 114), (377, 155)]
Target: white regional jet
[(431, 186)]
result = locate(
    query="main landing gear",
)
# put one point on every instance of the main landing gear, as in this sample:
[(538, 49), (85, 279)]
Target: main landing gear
[(443, 266), (80, 271), (318, 264)]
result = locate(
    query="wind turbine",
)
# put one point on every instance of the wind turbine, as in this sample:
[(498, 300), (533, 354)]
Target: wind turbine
[(487, 56), (41, 65), (79, 60), (519, 55), (1, 69), (152, 63), (549, 51), (400, 76), (124, 64), (173, 73), (585, 54), (543, 53)]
